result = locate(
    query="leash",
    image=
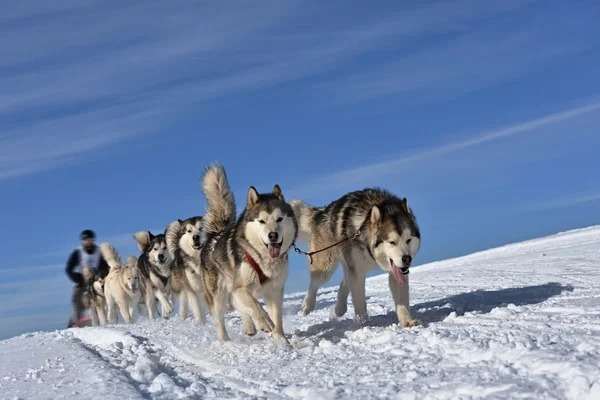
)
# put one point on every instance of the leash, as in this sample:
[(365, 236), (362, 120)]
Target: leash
[(312, 253)]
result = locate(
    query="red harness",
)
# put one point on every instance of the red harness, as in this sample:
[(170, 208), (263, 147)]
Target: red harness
[(262, 278)]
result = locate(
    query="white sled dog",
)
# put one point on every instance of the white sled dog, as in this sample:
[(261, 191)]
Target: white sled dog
[(248, 257), (121, 287), (371, 228), (93, 296)]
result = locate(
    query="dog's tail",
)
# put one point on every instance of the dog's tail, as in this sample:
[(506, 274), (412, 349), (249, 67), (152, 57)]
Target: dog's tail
[(172, 237), (220, 211), (131, 261), (305, 215), (111, 255)]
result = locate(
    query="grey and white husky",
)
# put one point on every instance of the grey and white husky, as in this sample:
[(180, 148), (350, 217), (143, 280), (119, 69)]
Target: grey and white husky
[(247, 258), (154, 265), (184, 241), (380, 231), (93, 296)]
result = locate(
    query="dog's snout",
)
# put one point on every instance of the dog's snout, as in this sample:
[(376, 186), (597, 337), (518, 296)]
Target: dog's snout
[(196, 238), (406, 260), (273, 236), (161, 257)]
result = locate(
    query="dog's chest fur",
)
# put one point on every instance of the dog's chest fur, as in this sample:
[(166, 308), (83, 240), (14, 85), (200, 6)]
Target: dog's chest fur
[(158, 278)]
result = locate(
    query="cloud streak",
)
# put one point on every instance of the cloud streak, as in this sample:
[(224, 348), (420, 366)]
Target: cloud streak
[(404, 163), (66, 95), (561, 202)]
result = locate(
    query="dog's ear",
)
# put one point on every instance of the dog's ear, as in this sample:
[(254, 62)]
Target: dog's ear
[(142, 239), (150, 235), (180, 221), (405, 205), (252, 196), (375, 217), (277, 192)]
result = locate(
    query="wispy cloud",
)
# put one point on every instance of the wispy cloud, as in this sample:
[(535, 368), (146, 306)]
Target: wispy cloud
[(404, 163), (478, 52), (123, 74), (560, 202)]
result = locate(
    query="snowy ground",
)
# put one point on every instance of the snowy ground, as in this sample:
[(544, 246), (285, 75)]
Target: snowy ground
[(518, 322)]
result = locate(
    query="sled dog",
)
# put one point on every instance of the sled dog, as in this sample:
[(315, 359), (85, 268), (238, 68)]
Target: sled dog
[(380, 231), (184, 242), (93, 296), (247, 258), (154, 267), (121, 287)]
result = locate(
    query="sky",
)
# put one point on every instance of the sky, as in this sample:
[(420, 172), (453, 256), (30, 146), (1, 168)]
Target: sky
[(484, 115)]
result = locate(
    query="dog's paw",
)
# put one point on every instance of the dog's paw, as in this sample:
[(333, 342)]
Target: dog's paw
[(361, 321), (248, 327), (265, 324), (411, 323), (308, 305), (281, 341), (340, 309)]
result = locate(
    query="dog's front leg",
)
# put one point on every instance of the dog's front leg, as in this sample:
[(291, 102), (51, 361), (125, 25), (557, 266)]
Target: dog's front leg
[(101, 315), (356, 283), (166, 307), (250, 305), (216, 304), (93, 315), (124, 308), (182, 308), (274, 303), (196, 300), (401, 301)]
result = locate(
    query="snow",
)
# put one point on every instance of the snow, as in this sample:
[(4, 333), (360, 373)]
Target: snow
[(521, 322)]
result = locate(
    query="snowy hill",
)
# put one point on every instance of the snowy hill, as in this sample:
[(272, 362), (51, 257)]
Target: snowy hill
[(520, 321)]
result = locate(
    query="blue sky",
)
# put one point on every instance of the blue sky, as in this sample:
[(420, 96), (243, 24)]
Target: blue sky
[(484, 115)]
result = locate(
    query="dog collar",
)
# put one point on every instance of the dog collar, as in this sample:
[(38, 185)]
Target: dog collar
[(262, 278)]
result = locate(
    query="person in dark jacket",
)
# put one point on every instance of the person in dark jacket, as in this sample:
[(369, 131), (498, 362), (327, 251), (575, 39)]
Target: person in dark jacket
[(87, 254)]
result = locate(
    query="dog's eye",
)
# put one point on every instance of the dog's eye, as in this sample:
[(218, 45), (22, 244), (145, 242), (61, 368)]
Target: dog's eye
[(189, 231), (408, 241), (279, 219), (377, 243), (393, 243), (261, 221)]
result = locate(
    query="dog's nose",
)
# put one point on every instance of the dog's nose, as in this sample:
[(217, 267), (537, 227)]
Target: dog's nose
[(196, 238), (273, 236), (406, 260), (161, 257)]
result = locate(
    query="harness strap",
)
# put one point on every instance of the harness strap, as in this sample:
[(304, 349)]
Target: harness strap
[(261, 275)]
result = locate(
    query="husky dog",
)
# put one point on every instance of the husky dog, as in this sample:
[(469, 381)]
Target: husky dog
[(184, 241), (93, 296), (154, 266), (247, 258), (377, 229), (121, 285)]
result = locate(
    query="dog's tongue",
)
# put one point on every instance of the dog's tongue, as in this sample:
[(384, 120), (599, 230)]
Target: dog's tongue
[(397, 275), (274, 250)]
